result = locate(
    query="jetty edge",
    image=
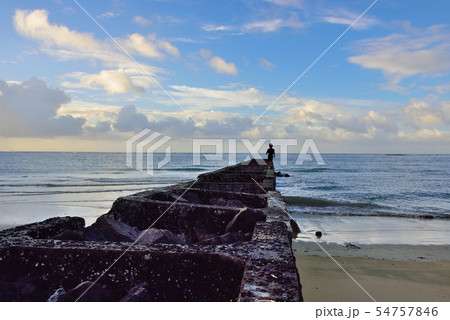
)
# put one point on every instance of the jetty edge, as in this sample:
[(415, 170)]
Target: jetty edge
[(223, 237)]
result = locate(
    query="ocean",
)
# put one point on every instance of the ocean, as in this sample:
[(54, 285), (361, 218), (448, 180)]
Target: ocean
[(363, 199)]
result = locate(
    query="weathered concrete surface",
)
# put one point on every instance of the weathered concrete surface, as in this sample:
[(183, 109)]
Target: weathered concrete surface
[(45, 229), (171, 275), (252, 263)]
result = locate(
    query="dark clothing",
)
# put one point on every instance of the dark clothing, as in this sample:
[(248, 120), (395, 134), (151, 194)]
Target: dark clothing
[(270, 154)]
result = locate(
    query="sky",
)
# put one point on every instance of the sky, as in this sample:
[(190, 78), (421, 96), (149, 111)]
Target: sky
[(88, 75)]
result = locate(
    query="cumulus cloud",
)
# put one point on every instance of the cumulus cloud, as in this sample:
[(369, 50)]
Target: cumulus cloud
[(216, 63), (175, 127), (139, 44), (367, 125), (219, 65), (30, 109), (231, 127), (129, 119), (400, 56), (35, 25), (420, 114), (426, 135), (228, 127), (333, 120), (349, 123), (100, 127), (65, 44), (68, 44), (113, 81), (169, 48), (381, 122), (150, 46)]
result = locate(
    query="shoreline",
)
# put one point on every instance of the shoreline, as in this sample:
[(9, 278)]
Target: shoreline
[(373, 230), (389, 273)]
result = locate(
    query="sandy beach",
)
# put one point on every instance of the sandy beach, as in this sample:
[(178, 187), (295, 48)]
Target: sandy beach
[(388, 273)]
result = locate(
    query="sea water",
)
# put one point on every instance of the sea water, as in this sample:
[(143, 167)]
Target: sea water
[(371, 199), (352, 198)]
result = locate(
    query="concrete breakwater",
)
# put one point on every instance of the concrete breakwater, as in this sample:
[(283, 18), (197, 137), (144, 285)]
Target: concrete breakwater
[(223, 237)]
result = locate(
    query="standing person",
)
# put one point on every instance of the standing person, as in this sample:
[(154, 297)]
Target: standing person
[(270, 155)]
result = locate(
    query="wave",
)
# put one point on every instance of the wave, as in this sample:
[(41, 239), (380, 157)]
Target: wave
[(317, 202), (97, 183), (326, 188), (186, 169), (375, 214), (44, 193), (319, 169)]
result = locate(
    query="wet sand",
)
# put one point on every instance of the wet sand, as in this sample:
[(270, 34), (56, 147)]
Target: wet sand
[(397, 273)]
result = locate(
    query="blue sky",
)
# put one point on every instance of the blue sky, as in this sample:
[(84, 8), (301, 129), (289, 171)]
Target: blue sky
[(383, 87)]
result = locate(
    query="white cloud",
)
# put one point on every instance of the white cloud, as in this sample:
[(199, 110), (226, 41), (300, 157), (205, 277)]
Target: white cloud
[(203, 98), (150, 46), (396, 61), (273, 25), (139, 44), (129, 119), (441, 89), (213, 27), (231, 127), (205, 54), (113, 81), (420, 114), (367, 125), (141, 21), (91, 111), (382, 122), (400, 56), (30, 109), (264, 26), (219, 65), (345, 17), (294, 22), (349, 123), (329, 120), (35, 25), (65, 44), (169, 48), (108, 14), (289, 3), (426, 135), (266, 64)]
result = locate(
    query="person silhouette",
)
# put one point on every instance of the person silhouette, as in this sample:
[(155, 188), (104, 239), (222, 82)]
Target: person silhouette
[(270, 155)]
